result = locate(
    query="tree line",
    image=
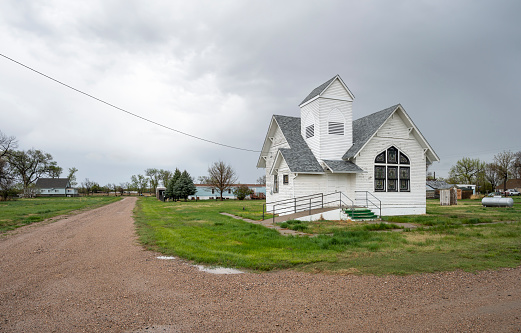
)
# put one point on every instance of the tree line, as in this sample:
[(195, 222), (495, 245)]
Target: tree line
[(179, 185), (20, 169), (487, 176)]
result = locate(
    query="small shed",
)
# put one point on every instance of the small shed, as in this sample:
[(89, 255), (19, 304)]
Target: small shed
[(160, 193), (433, 187), (449, 196)]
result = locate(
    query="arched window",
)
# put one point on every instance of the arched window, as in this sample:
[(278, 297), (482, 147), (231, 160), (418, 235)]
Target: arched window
[(392, 171), (309, 125)]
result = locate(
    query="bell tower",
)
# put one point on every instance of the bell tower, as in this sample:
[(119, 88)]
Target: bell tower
[(327, 119)]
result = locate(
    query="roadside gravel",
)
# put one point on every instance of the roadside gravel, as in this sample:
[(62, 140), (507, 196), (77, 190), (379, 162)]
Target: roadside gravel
[(87, 273)]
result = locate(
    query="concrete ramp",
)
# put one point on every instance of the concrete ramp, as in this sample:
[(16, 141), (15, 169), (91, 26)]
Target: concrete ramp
[(310, 215)]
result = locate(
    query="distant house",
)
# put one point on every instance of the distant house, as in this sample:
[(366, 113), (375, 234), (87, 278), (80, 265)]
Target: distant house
[(324, 151), (205, 192), (55, 187), (512, 184)]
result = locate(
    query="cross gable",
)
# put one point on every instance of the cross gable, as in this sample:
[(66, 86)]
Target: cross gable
[(364, 129)]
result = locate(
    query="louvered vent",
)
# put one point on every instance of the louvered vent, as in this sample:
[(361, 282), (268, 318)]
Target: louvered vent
[(336, 128), (310, 131)]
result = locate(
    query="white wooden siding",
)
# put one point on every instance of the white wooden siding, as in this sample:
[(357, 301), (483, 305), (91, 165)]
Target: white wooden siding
[(394, 128), (311, 113), (395, 203), (278, 142), (332, 146), (336, 90)]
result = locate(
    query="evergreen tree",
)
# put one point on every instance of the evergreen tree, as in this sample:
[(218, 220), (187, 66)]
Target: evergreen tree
[(170, 188), (184, 187)]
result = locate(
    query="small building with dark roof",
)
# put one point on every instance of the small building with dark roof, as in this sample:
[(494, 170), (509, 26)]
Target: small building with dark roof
[(55, 187), (325, 151)]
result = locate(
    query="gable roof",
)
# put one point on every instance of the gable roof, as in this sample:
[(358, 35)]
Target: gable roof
[(438, 184), (52, 183), (299, 157), (366, 127), (323, 87)]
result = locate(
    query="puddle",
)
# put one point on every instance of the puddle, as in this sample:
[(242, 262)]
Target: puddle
[(211, 270), (218, 270)]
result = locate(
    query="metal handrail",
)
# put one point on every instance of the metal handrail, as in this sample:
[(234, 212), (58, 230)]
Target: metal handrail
[(379, 206), (307, 202)]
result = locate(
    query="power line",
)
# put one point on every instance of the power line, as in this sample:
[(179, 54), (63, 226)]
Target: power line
[(127, 112)]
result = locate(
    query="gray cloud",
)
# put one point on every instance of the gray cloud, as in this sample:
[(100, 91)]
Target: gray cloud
[(219, 70)]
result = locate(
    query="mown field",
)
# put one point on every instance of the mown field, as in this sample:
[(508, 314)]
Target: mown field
[(447, 238), (20, 212)]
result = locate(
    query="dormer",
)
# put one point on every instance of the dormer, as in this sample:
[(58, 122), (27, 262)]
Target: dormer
[(327, 118)]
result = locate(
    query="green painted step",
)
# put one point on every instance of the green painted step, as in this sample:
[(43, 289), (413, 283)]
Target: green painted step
[(360, 214)]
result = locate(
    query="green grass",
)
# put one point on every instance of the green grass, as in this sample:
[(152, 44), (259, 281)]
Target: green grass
[(17, 213), (466, 212), (196, 231)]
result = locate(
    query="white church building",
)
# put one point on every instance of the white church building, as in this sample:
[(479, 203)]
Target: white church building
[(382, 156)]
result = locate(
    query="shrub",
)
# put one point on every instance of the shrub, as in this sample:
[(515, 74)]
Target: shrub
[(242, 191)]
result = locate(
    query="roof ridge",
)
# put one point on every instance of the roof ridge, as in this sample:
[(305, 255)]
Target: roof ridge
[(318, 90)]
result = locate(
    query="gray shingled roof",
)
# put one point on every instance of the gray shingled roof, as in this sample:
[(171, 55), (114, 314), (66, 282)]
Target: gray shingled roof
[(438, 184), (52, 182), (364, 128), (299, 156), (342, 166), (318, 90)]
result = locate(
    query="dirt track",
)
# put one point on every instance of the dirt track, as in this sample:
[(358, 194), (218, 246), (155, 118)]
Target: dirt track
[(87, 273)]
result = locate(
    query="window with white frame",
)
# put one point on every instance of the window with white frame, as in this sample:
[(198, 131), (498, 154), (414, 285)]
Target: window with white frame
[(275, 184), (392, 171)]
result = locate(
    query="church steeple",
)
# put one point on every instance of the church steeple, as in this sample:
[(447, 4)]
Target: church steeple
[(326, 119)]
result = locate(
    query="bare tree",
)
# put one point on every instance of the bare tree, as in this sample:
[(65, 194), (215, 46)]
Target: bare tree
[(7, 175), (516, 167), (221, 177), (7, 144), (504, 162), (165, 176), (7, 180), (121, 188), (88, 185), (203, 180), (491, 175), (139, 182), (261, 180), (72, 176), (154, 178)]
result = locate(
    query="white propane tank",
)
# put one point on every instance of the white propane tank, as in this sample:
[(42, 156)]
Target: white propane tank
[(497, 202)]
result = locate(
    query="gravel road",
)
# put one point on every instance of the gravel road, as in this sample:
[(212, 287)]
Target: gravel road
[(87, 273)]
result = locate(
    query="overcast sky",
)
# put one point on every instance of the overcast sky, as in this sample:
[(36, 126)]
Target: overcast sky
[(220, 69)]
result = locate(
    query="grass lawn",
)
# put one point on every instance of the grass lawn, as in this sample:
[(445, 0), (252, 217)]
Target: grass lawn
[(466, 212), (196, 231), (20, 212)]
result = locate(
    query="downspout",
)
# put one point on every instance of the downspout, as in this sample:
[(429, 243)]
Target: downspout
[(293, 183)]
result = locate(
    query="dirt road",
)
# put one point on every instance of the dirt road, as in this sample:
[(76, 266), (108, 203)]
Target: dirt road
[(86, 273)]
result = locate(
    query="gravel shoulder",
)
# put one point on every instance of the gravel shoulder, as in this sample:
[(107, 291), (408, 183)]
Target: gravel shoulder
[(87, 273)]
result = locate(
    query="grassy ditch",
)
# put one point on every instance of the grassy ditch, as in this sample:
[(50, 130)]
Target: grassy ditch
[(17, 213), (197, 231)]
